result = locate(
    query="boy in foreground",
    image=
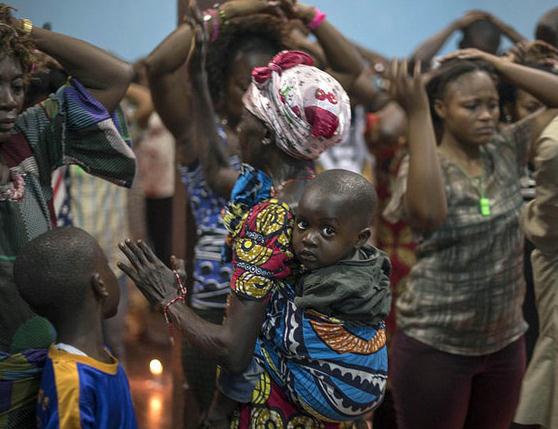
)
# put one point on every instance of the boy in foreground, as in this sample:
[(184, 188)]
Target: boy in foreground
[(64, 276)]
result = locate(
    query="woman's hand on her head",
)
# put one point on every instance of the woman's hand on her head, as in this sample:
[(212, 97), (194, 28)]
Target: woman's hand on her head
[(408, 91), (304, 12), (238, 8), (517, 52), (153, 278), (473, 54)]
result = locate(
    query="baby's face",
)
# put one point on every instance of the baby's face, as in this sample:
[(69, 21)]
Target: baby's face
[(323, 232)]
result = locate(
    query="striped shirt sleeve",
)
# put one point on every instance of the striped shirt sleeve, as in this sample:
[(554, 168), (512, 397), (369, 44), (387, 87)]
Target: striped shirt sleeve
[(72, 127)]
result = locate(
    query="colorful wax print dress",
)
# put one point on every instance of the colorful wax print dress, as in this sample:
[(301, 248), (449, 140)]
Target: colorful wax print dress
[(318, 370)]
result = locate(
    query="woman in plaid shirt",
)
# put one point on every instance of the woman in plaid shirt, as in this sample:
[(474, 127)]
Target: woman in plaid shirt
[(458, 357)]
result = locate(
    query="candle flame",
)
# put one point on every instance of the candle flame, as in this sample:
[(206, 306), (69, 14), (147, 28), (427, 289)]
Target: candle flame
[(156, 367)]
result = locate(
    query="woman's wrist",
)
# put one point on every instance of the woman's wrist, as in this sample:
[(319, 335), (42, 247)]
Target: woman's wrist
[(227, 11), (212, 24), (306, 13), (312, 17), (169, 303), (317, 20), (456, 25), (419, 110), (499, 63), (26, 25)]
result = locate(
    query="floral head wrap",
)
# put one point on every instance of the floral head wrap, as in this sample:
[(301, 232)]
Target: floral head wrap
[(307, 109)]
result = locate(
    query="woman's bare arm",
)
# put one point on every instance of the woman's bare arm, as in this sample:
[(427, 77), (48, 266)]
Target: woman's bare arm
[(231, 344), (167, 73), (425, 198), (104, 75)]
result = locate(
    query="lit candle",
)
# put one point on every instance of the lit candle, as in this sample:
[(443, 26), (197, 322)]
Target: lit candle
[(155, 410), (155, 367)]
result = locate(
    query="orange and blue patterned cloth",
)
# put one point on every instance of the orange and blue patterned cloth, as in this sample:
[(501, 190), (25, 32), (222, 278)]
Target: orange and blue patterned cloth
[(326, 370)]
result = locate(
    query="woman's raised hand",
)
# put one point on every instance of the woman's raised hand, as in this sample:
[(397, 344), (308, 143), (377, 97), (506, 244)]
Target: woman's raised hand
[(179, 266), (197, 55), (236, 8), (153, 278), (302, 11), (472, 54), (408, 91)]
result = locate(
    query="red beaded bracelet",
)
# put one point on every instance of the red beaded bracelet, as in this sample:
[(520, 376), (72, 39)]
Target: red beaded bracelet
[(181, 296)]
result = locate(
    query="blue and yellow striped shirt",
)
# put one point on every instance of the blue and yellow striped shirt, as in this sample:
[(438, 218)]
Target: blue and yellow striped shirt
[(78, 392)]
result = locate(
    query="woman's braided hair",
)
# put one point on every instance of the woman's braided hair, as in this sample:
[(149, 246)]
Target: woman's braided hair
[(14, 42), (259, 31)]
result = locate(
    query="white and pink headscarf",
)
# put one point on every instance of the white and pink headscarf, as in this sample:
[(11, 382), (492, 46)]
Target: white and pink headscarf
[(307, 109)]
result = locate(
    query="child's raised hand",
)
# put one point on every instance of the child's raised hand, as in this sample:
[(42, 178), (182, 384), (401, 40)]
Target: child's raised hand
[(408, 91), (153, 278)]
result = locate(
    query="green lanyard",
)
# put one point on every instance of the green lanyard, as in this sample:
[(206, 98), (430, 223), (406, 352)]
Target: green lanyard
[(484, 202), (477, 182)]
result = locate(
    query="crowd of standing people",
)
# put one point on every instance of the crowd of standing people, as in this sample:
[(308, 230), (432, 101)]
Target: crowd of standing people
[(368, 236)]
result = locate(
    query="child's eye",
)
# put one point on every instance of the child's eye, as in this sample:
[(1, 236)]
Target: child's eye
[(328, 231), (302, 224)]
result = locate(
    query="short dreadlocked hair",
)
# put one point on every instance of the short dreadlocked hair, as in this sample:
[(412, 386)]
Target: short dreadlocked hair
[(14, 42), (259, 31)]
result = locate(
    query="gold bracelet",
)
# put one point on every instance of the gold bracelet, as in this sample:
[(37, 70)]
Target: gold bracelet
[(26, 25)]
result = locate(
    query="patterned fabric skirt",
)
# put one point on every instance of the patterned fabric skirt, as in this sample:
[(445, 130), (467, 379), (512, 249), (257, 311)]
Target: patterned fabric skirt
[(20, 376), (270, 408)]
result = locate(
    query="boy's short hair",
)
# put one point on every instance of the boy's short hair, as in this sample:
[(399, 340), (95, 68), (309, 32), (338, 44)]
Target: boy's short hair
[(351, 190), (53, 271)]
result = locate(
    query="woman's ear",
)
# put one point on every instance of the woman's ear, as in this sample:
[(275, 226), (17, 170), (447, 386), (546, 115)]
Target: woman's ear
[(440, 108), (268, 137), (363, 237)]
